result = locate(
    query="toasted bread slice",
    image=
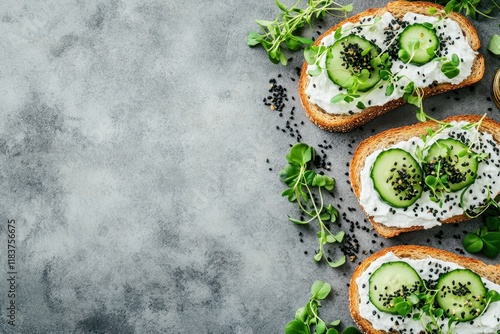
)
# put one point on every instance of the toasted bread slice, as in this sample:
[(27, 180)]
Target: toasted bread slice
[(390, 137), (490, 272), (347, 122)]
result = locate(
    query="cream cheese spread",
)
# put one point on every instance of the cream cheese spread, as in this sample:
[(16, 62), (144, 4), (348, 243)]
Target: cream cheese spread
[(452, 40), (428, 269)]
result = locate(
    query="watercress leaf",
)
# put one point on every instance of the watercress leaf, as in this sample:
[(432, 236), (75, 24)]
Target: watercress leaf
[(319, 181), (431, 181), (494, 44), (329, 183), (348, 8), (289, 174), (493, 296), (389, 89), (297, 221), (472, 243), (493, 222), (349, 99), (289, 194), (337, 98), (432, 10), (315, 71), (309, 176), (482, 231), (316, 287), (410, 88), (310, 54), (330, 239), (320, 327), (332, 331), (385, 74), (417, 316), (455, 60), (438, 312), (340, 236), (430, 51), (449, 7), (318, 256), (274, 56), (292, 43), (312, 309), (281, 6), (360, 105), (450, 70), (337, 263), (297, 327), (338, 33), (301, 153), (403, 308), (421, 117), (335, 323), (254, 38), (264, 23), (404, 55), (301, 314), (351, 330), (491, 244)]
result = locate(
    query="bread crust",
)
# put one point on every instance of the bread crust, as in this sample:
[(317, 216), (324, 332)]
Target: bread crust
[(393, 136), (345, 123), (490, 272)]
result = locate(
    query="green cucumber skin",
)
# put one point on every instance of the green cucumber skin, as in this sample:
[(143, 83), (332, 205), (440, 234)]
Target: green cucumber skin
[(451, 304), (427, 38), (384, 279), (384, 172), (466, 165), (341, 75)]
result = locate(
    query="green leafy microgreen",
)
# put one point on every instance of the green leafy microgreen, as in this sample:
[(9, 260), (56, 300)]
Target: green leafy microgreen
[(467, 7), (494, 44), (307, 319), (450, 68), (303, 186), (281, 34)]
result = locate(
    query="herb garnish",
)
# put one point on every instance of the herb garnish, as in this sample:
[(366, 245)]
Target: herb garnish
[(301, 181), (494, 44), (308, 316), (425, 302), (467, 7), (487, 238), (283, 30)]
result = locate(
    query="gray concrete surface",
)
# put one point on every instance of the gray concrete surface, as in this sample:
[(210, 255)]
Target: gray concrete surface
[(134, 147)]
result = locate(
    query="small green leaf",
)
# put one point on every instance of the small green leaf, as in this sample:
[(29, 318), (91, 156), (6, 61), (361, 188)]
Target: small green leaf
[(320, 327), (493, 296), (300, 153), (428, 25), (320, 289), (491, 244), (297, 327), (332, 331), (450, 70), (310, 54), (493, 223), (301, 314), (338, 33), (360, 105), (432, 10), (340, 261), (389, 90), (335, 323), (351, 330), (318, 256), (403, 308), (494, 44)]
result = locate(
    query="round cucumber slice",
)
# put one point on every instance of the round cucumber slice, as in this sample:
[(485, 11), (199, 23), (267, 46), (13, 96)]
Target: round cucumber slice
[(418, 44), (453, 159), (391, 280), (348, 63), (397, 178), (461, 294)]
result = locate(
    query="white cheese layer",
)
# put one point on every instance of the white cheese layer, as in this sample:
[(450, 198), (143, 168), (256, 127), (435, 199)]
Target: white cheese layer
[(321, 89), (488, 323), (425, 212)]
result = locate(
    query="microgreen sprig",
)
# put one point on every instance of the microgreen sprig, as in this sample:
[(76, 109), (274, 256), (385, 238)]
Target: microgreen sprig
[(487, 238), (302, 181), (283, 30), (307, 318), (467, 7)]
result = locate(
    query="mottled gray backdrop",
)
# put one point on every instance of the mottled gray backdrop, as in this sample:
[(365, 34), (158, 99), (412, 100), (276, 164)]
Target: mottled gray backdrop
[(141, 168)]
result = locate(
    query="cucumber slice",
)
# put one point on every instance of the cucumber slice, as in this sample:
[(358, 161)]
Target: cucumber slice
[(461, 294), (391, 280), (418, 44), (461, 171), (397, 177), (349, 63)]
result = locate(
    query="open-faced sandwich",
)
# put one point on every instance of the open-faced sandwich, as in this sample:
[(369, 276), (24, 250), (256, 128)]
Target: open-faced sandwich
[(382, 58), (416, 289), (430, 173)]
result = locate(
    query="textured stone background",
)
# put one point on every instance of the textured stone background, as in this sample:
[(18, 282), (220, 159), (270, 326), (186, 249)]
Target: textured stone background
[(133, 148)]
